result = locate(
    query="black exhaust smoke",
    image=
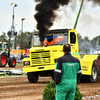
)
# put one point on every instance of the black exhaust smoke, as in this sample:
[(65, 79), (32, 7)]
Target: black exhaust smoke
[(45, 15), (95, 1)]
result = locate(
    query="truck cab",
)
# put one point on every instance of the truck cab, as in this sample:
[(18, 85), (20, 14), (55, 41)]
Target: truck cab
[(3, 46), (41, 61)]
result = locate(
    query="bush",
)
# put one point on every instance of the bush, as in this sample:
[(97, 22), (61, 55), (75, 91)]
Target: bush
[(50, 90), (78, 95)]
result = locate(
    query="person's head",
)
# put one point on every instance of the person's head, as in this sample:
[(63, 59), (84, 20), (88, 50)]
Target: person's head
[(66, 48)]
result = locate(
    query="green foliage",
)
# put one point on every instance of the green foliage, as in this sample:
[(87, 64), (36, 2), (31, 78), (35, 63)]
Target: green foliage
[(88, 44), (3, 37), (78, 95), (50, 90), (18, 40)]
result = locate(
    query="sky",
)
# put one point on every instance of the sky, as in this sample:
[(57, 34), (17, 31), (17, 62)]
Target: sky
[(88, 23)]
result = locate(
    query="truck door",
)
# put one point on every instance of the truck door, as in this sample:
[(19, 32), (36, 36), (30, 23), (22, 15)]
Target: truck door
[(73, 41)]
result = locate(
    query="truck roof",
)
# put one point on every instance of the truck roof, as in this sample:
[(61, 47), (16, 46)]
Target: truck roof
[(58, 31), (55, 31)]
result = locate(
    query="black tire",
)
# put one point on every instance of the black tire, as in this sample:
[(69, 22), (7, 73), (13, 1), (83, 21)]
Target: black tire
[(3, 60), (32, 77), (52, 76), (12, 62), (94, 74), (91, 78), (83, 78), (79, 77)]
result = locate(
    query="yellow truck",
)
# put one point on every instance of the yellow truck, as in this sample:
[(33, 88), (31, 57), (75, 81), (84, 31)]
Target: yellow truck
[(41, 61)]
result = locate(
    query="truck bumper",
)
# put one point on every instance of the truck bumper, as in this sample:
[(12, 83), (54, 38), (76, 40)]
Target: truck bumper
[(38, 68)]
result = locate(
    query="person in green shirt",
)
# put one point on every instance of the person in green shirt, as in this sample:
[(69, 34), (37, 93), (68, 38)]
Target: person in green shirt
[(65, 75)]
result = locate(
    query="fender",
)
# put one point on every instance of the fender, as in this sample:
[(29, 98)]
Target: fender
[(86, 63), (10, 58), (2, 52)]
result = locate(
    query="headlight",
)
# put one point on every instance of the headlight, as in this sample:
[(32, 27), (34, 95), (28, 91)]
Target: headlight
[(26, 63)]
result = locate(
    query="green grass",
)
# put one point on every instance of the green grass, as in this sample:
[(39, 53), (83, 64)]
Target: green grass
[(16, 64), (2, 72), (12, 75), (19, 64)]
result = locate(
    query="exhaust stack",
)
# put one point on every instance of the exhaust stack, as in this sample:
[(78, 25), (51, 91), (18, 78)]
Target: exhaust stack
[(42, 43), (78, 14)]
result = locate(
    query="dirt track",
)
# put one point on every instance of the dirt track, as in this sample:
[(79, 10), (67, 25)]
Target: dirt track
[(18, 88)]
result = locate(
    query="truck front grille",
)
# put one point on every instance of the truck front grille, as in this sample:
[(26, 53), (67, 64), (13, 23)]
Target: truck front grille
[(40, 57)]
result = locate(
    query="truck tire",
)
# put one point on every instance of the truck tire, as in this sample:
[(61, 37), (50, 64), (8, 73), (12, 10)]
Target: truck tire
[(3, 60), (94, 76), (52, 76), (32, 77), (12, 62), (91, 78), (83, 78)]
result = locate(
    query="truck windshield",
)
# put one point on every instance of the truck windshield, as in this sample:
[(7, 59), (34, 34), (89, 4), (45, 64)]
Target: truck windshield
[(52, 39)]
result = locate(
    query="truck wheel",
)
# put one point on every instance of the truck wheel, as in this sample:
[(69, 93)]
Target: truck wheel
[(3, 60), (93, 77), (12, 62), (90, 78), (32, 77), (83, 78), (52, 76)]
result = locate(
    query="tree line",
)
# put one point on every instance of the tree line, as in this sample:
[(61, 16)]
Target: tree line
[(18, 39), (84, 43)]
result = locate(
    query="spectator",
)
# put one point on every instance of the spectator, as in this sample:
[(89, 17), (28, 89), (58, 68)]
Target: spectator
[(65, 75), (18, 57)]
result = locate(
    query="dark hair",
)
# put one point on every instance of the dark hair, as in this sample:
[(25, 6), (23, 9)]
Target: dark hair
[(66, 48)]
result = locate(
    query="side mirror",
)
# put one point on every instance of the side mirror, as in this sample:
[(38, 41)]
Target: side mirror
[(29, 40)]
